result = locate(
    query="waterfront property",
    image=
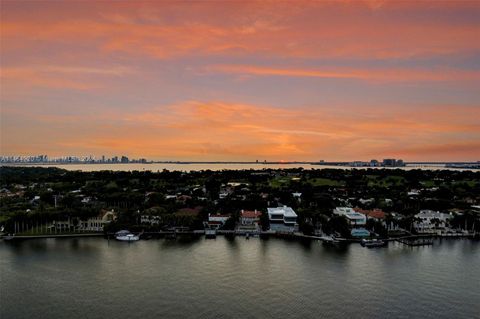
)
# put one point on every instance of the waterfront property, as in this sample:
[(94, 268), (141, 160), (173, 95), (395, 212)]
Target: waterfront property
[(282, 218), (376, 214), (248, 217), (96, 223), (428, 221), (216, 221), (354, 218), (141, 200)]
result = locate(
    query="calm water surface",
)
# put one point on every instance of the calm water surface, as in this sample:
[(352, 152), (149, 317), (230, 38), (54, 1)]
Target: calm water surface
[(94, 278)]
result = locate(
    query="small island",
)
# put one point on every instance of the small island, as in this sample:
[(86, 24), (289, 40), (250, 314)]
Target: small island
[(370, 206)]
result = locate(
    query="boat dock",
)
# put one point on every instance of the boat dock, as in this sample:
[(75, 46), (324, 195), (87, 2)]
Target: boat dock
[(22, 237), (410, 240), (416, 241)]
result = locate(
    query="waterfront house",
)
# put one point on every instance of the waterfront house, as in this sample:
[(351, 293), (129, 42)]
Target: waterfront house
[(98, 222), (62, 225), (428, 221), (95, 223), (282, 218), (354, 218), (249, 217), (216, 221), (376, 214)]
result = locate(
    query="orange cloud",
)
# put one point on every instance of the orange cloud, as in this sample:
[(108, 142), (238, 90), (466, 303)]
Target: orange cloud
[(308, 30), (385, 75), (58, 76), (132, 64), (230, 131)]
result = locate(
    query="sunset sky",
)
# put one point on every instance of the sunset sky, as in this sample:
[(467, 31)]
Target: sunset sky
[(345, 80)]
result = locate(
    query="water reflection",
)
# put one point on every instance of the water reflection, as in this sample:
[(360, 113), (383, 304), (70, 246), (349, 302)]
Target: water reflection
[(196, 277)]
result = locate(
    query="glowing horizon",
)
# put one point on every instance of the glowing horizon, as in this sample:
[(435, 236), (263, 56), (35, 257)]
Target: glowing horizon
[(218, 81)]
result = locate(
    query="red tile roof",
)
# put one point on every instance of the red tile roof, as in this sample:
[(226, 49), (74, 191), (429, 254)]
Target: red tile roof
[(251, 214), (374, 213)]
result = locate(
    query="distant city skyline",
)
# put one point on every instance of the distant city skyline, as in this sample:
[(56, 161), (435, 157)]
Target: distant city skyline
[(90, 159), (241, 81)]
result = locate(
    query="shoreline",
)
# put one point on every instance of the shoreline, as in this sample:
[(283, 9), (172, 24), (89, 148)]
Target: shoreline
[(259, 234), (233, 166)]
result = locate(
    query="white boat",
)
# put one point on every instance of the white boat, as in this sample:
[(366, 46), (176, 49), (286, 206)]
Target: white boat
[(330, 240), (370, 243), (125, 235), (210, 233)]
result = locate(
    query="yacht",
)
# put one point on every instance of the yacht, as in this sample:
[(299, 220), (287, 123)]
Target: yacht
[(331, 241), (125, 235), (370, 243)]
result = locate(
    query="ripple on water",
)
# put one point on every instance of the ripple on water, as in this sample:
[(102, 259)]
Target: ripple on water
[(253, 279)]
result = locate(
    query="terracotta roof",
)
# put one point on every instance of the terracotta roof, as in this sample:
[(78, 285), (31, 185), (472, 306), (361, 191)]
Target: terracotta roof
[(251, 214), (374, 213)]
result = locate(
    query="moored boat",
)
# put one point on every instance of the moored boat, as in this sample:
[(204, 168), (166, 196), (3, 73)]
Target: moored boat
[(371, 243), (331, 241), (210, 233), (9, 237), (125, 235)]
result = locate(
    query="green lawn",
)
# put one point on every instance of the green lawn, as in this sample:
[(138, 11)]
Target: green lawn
[(428, 183), (325, 182), (279, 182), (285, 181), (470, 183), (377, 181)]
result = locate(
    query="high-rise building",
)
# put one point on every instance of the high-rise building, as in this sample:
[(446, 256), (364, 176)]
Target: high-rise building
[(389, 162)]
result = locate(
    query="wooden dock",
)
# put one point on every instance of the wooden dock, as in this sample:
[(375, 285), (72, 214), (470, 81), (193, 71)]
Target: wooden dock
[(416, 241)]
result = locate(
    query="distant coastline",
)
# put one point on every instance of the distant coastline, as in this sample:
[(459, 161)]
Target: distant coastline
[(195, 166)]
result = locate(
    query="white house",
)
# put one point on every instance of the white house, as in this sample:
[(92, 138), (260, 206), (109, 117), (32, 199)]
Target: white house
[(91, 224), (429, 221), (96, 223), (354, 218), (282, 215), (150, 219), (216, 221)]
